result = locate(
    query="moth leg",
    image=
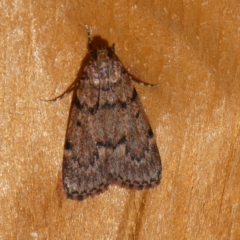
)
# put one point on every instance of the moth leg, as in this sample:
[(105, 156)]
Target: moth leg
[(143, 83), (69, 90)]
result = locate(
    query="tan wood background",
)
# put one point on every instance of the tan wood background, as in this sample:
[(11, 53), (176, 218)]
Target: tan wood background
[(191, 48)]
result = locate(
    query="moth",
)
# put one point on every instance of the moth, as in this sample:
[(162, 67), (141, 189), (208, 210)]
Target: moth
[(109, 139)]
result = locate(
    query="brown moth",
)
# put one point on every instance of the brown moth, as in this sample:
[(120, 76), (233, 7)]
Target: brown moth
[(109, 139)]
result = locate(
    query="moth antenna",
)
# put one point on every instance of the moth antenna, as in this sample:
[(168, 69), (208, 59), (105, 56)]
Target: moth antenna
[(89, 37), (113, 48)]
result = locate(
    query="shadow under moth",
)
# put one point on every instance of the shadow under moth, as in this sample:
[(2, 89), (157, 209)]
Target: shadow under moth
[(109, 139)]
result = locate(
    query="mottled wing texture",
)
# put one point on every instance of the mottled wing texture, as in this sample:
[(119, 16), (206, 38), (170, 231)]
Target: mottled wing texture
[(109, 139)]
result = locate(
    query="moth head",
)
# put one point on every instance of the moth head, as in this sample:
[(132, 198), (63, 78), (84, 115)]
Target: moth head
[(102, 53)]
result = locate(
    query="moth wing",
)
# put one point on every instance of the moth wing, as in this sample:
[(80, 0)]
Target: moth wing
[(136, 161), (83, 173)]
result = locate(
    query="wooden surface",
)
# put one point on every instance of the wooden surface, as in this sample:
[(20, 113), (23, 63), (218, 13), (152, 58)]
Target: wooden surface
[(191, 48)]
